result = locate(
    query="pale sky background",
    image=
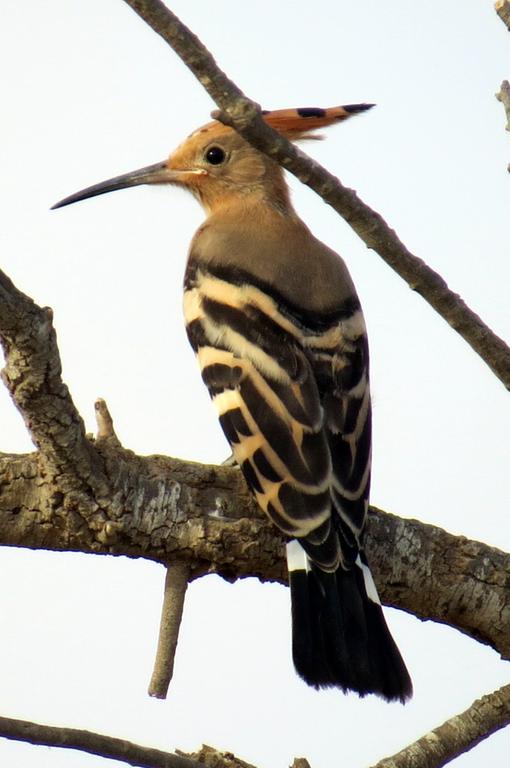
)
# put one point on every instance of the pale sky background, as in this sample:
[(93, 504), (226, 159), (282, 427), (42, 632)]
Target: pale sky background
[(89, 92)]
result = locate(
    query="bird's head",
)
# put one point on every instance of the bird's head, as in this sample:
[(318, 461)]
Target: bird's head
[(216, 164)]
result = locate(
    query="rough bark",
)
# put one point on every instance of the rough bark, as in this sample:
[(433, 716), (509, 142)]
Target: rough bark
[(169, 510), (457, 735), (503, 11), (32, 374)]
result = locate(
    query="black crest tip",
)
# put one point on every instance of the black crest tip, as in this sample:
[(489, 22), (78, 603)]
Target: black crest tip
[(355, 108)]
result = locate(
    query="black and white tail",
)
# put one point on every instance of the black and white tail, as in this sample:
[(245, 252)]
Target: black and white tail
[(339, 634)]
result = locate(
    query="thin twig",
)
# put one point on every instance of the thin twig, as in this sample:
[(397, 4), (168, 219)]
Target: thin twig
[(504, 97), (244, 115), (457, 735), (104, 421), (176, 583), (93, 743)]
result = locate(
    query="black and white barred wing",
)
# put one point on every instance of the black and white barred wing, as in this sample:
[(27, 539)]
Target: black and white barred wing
[(341, 367), (263, 386), (293, 401)]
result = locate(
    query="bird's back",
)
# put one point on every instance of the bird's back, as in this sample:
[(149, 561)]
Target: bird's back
[(277, 250), (276, 324)]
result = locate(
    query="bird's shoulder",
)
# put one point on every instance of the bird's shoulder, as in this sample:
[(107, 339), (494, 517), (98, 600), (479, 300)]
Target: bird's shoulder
[(278, 254)]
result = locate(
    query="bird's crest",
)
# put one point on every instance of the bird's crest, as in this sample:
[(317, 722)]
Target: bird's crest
[(296, 124), (300, 123)]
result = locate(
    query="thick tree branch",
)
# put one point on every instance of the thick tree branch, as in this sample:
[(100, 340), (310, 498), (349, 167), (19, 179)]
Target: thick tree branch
[(165, 509), (93, 743), (244, 115), (438, 576), (32, 375), (457, 735)]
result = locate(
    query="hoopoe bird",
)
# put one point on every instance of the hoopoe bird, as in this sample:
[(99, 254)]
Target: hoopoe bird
[(277, 328)]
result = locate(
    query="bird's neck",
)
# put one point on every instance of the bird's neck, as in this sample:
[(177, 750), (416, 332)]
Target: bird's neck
[(255, 216), (272, 195)]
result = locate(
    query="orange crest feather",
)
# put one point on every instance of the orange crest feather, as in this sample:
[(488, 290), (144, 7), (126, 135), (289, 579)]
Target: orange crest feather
[(298, 123)]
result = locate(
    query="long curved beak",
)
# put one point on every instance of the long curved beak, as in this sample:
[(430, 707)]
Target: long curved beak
[(159, 173)]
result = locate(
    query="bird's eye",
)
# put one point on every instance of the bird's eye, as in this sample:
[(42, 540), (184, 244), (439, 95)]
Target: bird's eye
[(215, 155)]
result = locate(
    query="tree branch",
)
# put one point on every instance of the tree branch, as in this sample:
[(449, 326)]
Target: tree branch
[(117, 749), (504, 97), (176, 584), (93, 743), (32, 375), (434, 750), (164, 509), (104, 421), (457, 735), (244, 115), (212, 758), (503, 11)]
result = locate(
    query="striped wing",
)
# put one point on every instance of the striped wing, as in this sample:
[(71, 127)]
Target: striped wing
[(341, 367), (282, 394)]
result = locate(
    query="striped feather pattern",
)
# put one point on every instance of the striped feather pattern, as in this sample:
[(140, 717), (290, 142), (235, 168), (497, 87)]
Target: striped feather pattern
[(293, 400)]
